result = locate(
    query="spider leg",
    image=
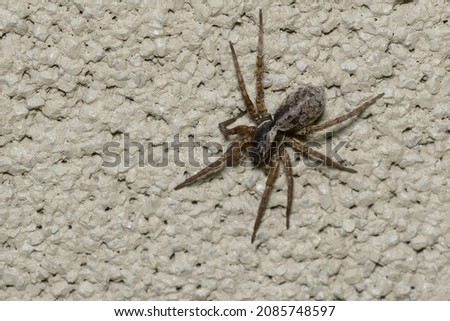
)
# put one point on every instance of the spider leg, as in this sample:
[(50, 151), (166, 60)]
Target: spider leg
[(340, 119), (231, 156), (247, 101), (290, 183), (273, 171), (242, 130), (299, 146), (260, 71)]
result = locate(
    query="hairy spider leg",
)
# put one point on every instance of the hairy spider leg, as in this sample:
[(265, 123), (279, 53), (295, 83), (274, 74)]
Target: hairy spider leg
[(239, 130), (299, 146), (231, 156), (340, 119), (290, 183), (259, 74), (273, 173), (247, 101)]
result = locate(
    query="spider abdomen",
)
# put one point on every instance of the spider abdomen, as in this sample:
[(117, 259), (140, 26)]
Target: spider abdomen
[(300, 109)]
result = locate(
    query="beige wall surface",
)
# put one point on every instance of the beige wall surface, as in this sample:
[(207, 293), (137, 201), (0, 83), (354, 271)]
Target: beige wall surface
[(85, 83)]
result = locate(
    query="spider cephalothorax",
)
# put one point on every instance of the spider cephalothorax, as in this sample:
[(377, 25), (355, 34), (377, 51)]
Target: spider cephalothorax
[(265, 142)]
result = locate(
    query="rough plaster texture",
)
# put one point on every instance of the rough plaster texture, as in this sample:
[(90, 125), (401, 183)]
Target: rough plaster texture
[(76, 75)]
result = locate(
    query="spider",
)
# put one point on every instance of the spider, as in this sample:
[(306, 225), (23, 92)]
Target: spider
[(265, 142)]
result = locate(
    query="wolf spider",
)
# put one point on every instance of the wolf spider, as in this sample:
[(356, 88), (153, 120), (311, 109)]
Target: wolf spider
[(292, 119)]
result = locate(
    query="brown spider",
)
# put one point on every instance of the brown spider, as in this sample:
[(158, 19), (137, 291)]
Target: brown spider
[(265, 143)]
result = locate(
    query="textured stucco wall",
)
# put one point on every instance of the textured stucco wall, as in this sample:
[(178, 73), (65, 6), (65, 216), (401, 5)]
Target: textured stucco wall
[(77, 75)]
